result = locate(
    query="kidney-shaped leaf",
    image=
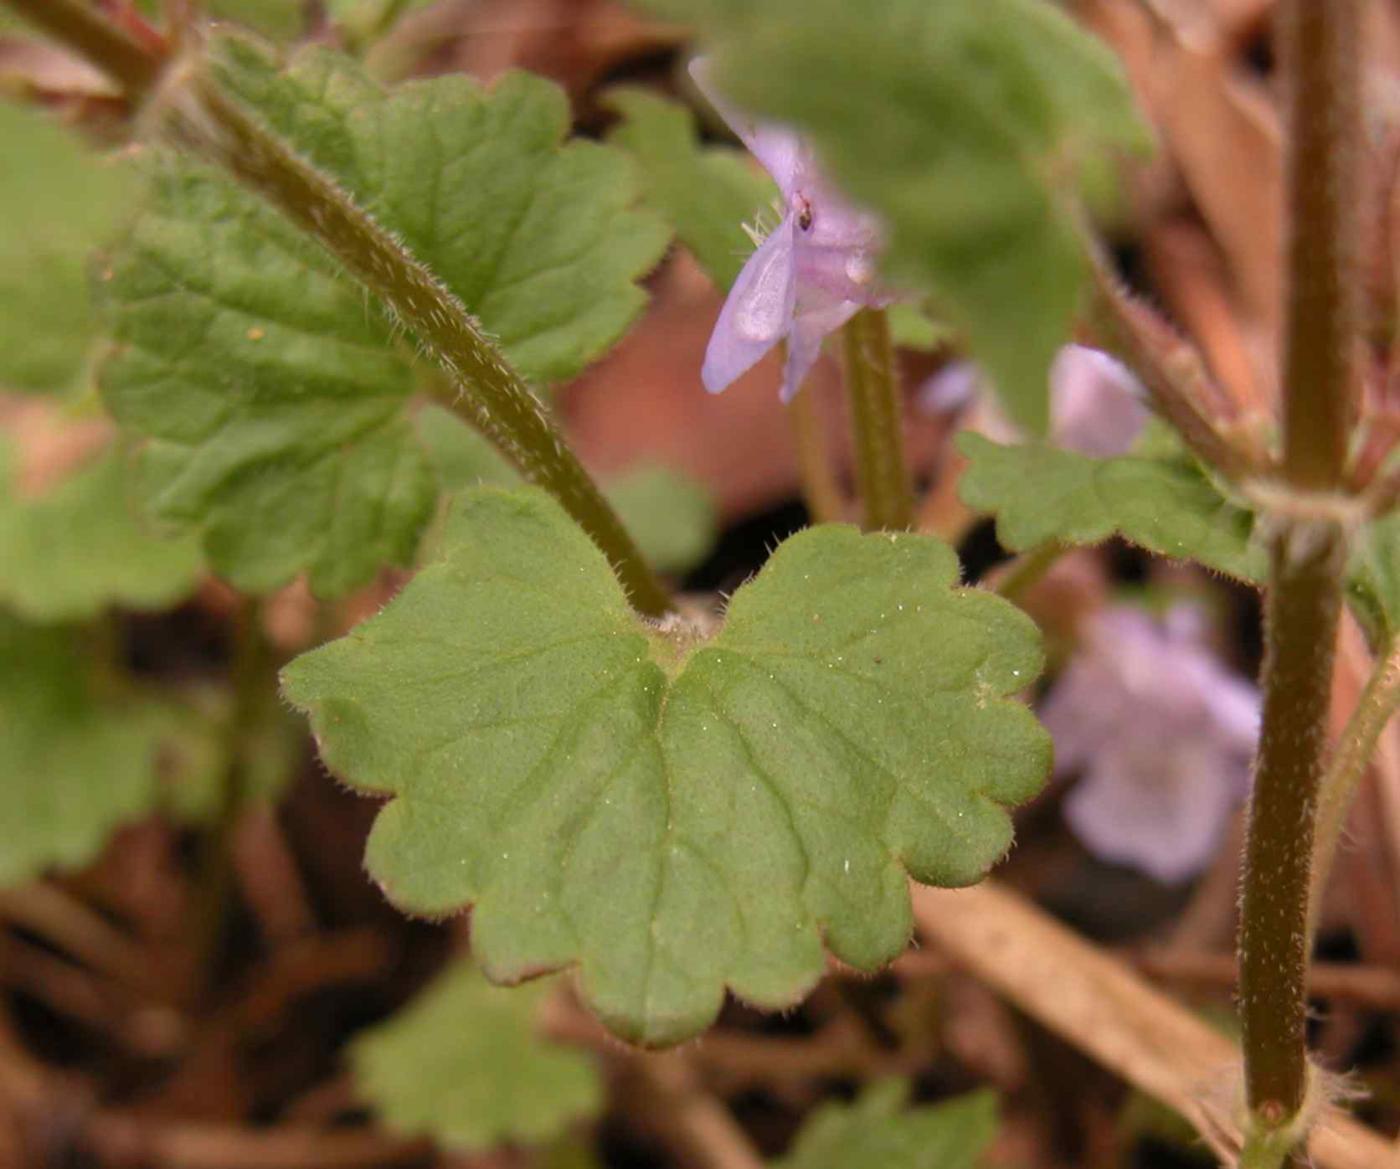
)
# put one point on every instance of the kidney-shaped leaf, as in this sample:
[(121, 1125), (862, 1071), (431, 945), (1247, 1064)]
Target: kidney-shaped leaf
[(676, 816)]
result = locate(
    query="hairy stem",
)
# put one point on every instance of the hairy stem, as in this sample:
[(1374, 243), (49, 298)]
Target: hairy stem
[(1319, 44), (1302, 612), (1182, 390), (1321, 47), (820, 491), (1350, 757), (877, 419), (487, 391)]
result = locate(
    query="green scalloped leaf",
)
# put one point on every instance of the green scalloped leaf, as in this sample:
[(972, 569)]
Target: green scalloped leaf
[(77, 761), (966, 127), (880, 1130), (465, 1064), (540, 238), (1040, 493), (677, 818), (59, 200), (266, 389), (80, 547), (269, 389), (705, 193)]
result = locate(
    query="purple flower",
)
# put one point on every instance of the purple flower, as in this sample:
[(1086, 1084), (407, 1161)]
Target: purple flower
[(810, 274), (1162, 735), (1097, 405)]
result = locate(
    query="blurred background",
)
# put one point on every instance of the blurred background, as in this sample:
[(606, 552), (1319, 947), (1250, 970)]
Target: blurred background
[(194, 979)]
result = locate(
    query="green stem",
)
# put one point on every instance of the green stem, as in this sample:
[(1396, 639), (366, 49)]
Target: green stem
[(1264, 1151), (487, 391), (1013, 579), (820, 491), (877, 419), (253, 682), (1350, 757), (1320, 48)]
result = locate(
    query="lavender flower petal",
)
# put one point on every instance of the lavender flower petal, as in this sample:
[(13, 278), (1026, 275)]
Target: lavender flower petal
[(1158, 806), (1162, 736), (1097, 406), (809, 329), (808, 278), (757, 315)]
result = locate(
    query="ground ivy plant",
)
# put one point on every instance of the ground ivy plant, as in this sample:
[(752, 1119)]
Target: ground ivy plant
[(326, 315)]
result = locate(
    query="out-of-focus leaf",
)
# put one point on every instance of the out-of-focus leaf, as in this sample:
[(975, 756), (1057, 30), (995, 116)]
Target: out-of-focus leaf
[(670, 515), (465, 1064), (911, 328), (1374, 586), (964, 125), (881, 1130), (282, 20), (678, 816), (81, 547), (58, 202), (77, 763), (194, 754), (705, 193)]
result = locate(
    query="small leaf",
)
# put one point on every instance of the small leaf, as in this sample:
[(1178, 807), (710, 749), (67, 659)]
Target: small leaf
[(465, 1064), (706, 194), (671, 516), (266, 383), (1040, 493), (194, 752), (80, 547), (964, 126), (282, 20), (677, 819), (1374, 585), (878, 1129), (58, 202), (912, 328), (77, 764)]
